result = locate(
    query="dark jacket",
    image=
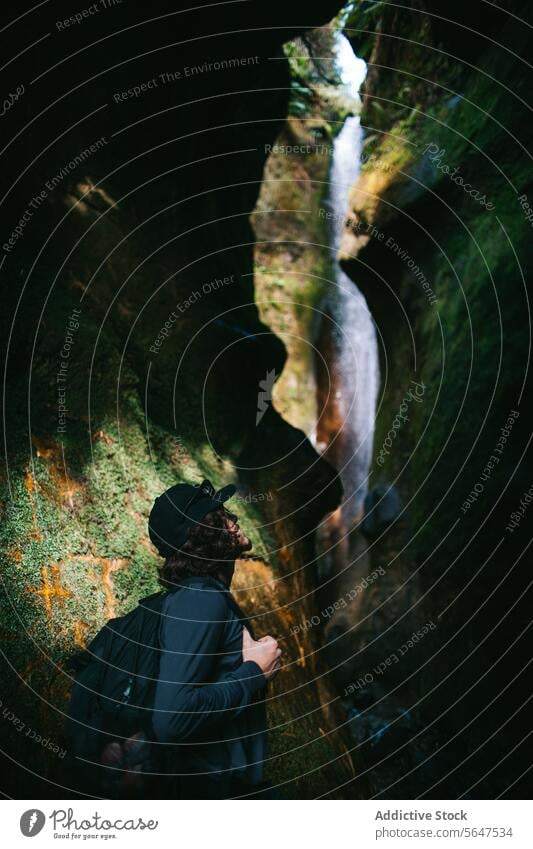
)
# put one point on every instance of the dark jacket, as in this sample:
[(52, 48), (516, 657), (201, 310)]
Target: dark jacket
[(209, 705)]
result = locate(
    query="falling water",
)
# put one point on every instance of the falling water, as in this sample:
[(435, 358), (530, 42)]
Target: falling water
[(347, 341), (347, 386)]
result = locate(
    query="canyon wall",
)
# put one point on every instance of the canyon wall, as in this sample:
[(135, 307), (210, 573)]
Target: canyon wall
[(438, 238), (134, 352)]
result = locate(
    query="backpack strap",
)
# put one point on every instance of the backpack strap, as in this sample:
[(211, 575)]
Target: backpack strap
[(151, 602), (104, 665), (132, 678), (232, 604)]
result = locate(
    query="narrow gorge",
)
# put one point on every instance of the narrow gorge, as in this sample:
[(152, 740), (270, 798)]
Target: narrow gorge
[(223, 260)]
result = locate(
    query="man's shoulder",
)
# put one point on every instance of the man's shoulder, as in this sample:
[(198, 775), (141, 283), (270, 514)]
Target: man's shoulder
[(198, 600)]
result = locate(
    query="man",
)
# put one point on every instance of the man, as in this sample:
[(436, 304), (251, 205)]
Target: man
[(209, 700)]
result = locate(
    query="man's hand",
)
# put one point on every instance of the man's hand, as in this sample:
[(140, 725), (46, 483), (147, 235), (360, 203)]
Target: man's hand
[(264, 652)]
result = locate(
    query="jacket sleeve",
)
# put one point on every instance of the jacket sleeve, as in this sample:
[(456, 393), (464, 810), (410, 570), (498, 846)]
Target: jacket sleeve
[(184, 703)]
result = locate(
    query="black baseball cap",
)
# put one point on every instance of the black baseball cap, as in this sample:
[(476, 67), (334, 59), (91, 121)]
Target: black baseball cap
[(179, 508)]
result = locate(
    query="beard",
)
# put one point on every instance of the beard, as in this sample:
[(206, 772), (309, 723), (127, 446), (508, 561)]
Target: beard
[(243, 541)]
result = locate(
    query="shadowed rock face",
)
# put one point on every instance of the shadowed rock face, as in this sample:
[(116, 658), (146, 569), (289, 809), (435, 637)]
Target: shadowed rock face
[(447, 278), (139, 159), (382, 507)]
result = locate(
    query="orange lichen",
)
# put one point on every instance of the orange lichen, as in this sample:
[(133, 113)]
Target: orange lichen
[(16, 555), (51, 588), (64, 488), (80, 632), (110, 566), (31, 485)]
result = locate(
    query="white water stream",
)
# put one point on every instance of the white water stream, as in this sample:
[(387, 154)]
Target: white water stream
[(357, 371), (348, 385), (350, 343)]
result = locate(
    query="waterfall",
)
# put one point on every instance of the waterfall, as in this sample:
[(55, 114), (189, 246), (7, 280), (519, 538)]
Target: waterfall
[(347, 341)]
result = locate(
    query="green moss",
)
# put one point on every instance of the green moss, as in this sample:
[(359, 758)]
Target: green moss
[(481, 288), (293, 262), (302, 765)]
